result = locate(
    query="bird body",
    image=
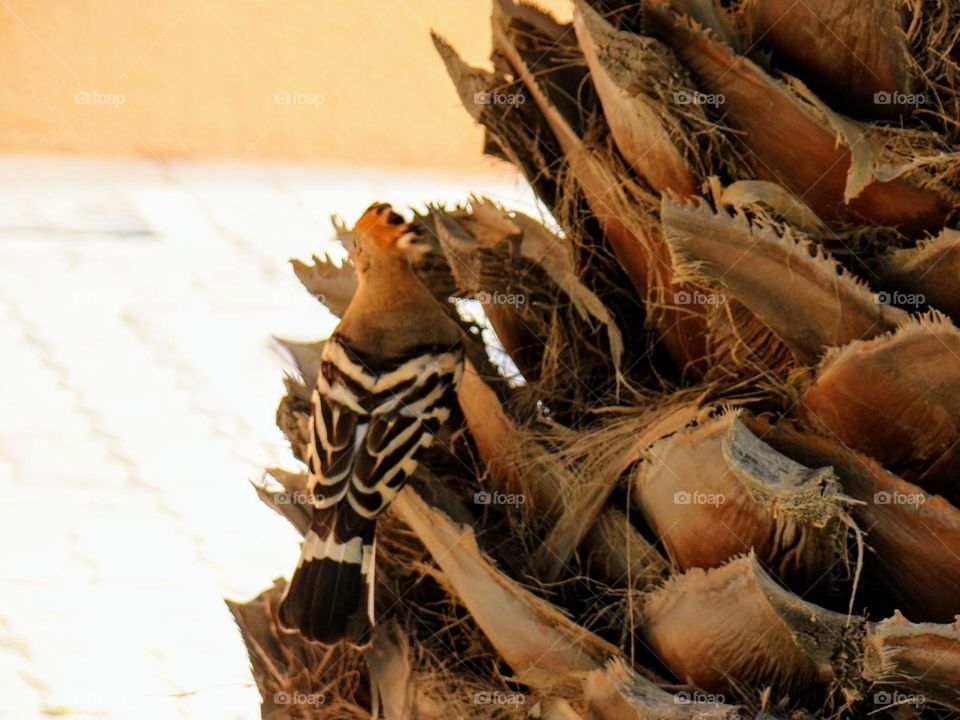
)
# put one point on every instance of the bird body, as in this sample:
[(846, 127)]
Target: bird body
[(386, 386)]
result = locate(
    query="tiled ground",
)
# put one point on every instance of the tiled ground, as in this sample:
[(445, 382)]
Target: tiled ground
[(137, 397)]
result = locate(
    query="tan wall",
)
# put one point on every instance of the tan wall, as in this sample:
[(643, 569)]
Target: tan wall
[(198, 78)]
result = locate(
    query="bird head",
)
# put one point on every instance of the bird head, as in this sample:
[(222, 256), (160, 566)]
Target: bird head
[(382, 236)]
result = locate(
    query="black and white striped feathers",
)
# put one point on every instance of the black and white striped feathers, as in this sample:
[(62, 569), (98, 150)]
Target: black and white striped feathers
[(371, 420)]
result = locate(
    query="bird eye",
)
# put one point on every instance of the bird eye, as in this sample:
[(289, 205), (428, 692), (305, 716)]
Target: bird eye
[(395, 219)]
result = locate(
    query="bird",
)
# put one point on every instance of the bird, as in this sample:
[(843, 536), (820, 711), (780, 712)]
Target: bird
[(385, 390)]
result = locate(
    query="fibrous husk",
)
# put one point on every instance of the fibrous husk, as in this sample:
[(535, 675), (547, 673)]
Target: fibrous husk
[(596, 466), (916, 663), (407, 689), (474, 268), (333, 285), (557, 709), (299, 680), (618, 693), (846, 50), (391, 672), (542, 646), (912, 538), (555, 496), (716, 491), (515, 131), (513, 466), (556, 258), (709, 14), (859, 178), (787, 281), (933, 39), (896, 398), (495, 254), (617, 555), (745, 194), (623, 209), (518, 132), (262, 645), (733, 626), (744, 348), (287, 501), (925, 274), (671, 145), (305, 357), (293, 413)]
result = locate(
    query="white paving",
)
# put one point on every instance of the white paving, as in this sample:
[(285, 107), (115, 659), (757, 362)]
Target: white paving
[(138, 391)]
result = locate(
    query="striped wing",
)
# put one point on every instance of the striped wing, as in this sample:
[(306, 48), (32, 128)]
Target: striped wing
[(371, 420)]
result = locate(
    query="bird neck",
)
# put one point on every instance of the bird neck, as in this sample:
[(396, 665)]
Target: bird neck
[(393, 311), (388, 279)]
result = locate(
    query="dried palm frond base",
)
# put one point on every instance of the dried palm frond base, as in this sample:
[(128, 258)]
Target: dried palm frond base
[(720, 477)]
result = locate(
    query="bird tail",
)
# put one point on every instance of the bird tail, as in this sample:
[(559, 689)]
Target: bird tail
[(330, 596)]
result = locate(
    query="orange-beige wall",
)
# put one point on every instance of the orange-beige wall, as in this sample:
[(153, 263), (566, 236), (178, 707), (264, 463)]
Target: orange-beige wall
[(301, 80)]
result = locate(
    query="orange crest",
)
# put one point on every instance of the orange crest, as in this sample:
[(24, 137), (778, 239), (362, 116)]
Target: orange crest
[(381, 224)]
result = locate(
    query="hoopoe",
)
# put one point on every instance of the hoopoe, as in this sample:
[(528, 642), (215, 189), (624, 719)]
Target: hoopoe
[(387, 384)]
